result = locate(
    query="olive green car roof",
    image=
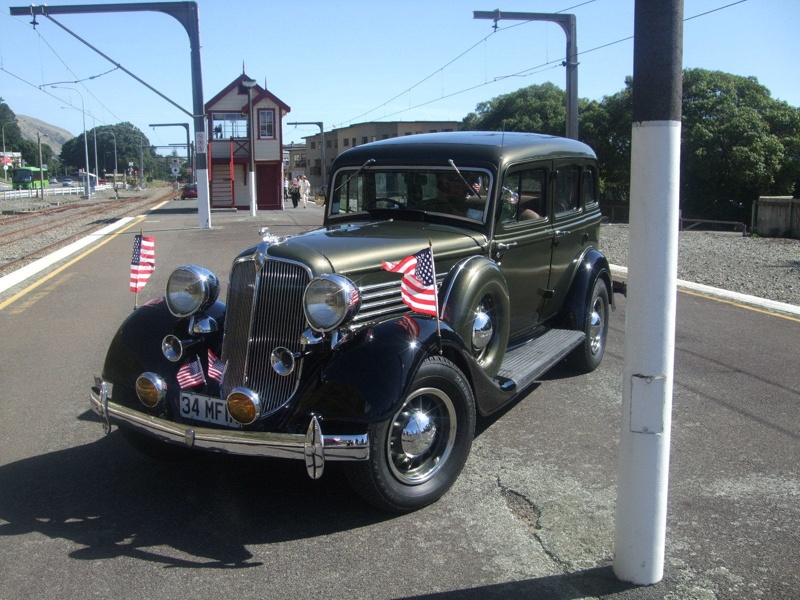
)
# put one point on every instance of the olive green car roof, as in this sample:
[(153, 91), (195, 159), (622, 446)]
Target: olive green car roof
[(493, 148)]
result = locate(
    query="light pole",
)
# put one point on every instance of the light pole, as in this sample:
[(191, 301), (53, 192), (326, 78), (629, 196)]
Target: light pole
[(115, 163), (96, 167), (5, 165), (249, 84), (85, 141)]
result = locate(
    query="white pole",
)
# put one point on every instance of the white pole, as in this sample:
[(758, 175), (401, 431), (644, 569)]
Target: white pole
[(646, 424), (649, 354)]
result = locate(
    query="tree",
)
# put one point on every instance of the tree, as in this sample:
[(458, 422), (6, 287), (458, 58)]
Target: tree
[(130, 142), (735, 139), (538, 108)]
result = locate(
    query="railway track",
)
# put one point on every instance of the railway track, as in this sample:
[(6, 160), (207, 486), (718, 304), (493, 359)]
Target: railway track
[(26, 235)]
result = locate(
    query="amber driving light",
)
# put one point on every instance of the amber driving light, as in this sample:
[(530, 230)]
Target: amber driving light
[(150, 389), (244, 405)]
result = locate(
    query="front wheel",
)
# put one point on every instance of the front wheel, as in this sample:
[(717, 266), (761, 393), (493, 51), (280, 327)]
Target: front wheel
[(417, 454), (587, 357)]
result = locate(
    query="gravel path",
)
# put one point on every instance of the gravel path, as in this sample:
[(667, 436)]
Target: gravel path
[(763, 267)]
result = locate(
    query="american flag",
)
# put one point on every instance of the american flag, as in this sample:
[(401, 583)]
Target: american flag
[(191, 374), (216, 368), (417, 287), (143, 261)]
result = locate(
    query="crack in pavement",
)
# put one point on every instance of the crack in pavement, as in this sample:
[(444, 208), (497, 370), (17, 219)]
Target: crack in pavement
[(526, 511)]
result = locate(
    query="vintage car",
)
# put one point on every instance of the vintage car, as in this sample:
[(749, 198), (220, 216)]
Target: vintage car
[(491, 237)]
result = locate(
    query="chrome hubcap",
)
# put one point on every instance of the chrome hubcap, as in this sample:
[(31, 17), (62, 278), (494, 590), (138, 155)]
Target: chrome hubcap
[(421, 436), (596, 326)]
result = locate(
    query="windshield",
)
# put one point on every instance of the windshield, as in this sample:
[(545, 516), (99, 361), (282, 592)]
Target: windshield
[(441, 191)]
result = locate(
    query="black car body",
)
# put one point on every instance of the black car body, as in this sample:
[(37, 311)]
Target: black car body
[(322, 358)]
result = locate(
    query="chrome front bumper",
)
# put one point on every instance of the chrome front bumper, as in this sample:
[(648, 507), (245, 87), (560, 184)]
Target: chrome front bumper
[(313, 447)]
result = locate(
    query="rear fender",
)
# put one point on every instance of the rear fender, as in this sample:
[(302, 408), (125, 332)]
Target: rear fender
[(592, 266)]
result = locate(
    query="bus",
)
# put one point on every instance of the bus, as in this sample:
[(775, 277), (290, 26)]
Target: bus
[(29, 178)]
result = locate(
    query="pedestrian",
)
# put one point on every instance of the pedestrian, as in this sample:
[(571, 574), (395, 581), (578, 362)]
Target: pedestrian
[(285, 188), (294, 191), (305, 189)]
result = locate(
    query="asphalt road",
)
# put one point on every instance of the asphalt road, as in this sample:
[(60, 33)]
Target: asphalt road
[(82, 515)]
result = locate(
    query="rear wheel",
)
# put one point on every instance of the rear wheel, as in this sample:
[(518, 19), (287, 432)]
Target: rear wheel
[(587, 357), (417, 454)]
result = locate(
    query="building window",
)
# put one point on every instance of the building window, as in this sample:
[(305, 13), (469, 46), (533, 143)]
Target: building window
[(266, 124), (354, 142), (346, 142), (363, 139), (228, 125), (313, 145), (328, 144)]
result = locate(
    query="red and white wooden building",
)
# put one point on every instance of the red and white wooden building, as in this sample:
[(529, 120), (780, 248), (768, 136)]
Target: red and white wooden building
[(228, 114)]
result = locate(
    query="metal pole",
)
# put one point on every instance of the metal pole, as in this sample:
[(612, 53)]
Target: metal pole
[(568, 24), (86, 188), (251, 176), (322, 134), (41, 172), (96, 167), (187, 14), (646, 426)]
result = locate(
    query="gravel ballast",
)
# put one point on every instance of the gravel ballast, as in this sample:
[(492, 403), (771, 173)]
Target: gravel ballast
[(757, 266)]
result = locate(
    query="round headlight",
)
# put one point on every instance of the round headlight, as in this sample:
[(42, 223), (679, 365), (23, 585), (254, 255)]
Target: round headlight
[(191, 289), (329, 301)]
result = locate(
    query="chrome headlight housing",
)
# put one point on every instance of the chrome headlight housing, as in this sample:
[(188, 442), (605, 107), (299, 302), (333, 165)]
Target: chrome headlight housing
[(329, 301), (191, 289)]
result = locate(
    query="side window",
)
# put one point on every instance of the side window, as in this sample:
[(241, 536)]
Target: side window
[(589, 186), (566, 197), (524, 196)]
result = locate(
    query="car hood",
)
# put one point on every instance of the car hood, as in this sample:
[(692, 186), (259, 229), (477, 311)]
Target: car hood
[(359, 248)]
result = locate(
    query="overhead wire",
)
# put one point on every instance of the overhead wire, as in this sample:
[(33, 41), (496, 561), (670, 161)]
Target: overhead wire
[(525, 72)]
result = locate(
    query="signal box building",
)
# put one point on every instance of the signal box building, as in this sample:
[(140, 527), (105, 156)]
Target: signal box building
[(232, 114)]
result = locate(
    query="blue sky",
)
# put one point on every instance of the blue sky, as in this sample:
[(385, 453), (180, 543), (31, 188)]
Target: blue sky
[(348, 61)]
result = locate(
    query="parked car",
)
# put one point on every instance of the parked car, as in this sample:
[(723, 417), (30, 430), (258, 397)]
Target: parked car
[(317, 356), (53, 181), (66, 182), (189, 191)]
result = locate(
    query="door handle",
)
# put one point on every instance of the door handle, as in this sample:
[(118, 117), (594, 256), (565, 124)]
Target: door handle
[(503, 246)]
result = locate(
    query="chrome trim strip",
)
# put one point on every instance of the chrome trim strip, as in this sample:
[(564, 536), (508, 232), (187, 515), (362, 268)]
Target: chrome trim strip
[(244, 443)]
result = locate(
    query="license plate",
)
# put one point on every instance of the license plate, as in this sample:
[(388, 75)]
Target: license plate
[(203, 408)]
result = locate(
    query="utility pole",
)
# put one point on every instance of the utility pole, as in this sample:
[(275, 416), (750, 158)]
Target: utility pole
[(568, 24), (41, 172), (646, 427)]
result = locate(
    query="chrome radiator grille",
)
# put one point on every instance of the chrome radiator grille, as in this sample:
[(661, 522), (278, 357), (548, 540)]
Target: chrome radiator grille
[(264, 311)]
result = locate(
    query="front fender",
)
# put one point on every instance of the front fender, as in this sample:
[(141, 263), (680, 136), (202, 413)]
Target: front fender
[(367, 377), (136, 346)]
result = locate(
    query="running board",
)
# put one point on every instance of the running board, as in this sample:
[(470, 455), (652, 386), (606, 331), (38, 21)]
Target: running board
[(522, 366)]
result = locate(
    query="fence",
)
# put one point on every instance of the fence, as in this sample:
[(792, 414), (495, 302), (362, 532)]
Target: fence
[(777, 216), (49, 191)]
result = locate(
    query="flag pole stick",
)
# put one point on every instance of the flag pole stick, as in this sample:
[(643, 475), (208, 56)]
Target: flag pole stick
[(436, 296), (136, 295)]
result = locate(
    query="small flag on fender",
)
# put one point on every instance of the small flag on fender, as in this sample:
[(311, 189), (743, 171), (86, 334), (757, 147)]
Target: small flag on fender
[(418, 286), (143, 261), (191, 374)]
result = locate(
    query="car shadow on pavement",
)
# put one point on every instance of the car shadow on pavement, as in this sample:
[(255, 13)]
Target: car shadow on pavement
[(200, 512)]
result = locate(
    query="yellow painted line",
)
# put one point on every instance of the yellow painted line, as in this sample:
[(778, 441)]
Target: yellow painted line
[(744, 306), (52, 274)]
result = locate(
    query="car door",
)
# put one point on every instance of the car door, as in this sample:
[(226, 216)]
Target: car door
[(572, 225), (523, 242)]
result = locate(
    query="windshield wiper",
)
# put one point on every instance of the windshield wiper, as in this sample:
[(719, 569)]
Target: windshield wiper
[(470, 189), (361, 168)]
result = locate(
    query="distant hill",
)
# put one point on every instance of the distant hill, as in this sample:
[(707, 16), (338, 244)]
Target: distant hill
[(56, 136)]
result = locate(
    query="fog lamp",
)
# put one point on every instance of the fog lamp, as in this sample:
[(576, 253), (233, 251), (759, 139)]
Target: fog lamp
[(244, 405), (150, 389)]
